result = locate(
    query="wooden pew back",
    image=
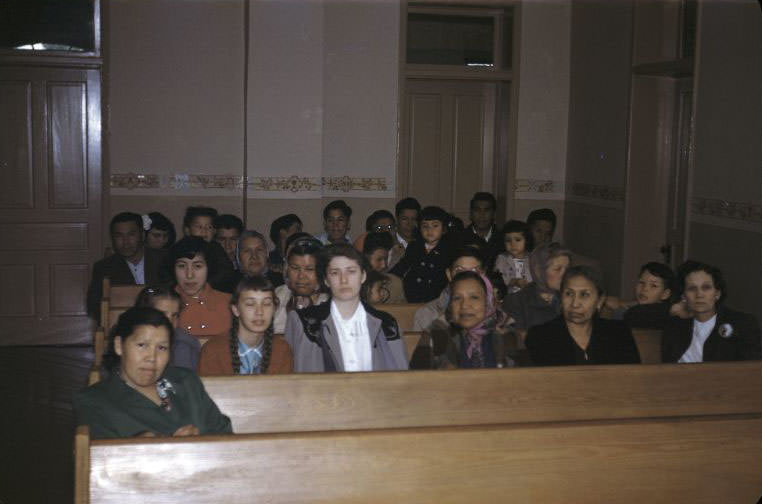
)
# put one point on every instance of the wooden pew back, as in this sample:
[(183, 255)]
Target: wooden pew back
[(581, 435), (315, 402), (403, 313), (649, 345)]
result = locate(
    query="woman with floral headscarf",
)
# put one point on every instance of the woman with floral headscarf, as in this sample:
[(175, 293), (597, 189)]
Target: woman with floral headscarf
[(539, 301), (474, 337)]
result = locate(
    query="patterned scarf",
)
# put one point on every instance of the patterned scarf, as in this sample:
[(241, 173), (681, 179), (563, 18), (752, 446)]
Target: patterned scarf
[(495, 318)]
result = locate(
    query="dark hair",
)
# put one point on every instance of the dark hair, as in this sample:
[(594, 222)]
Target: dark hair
[(372, 278), (329, 252), (483, 196), (468, 252), (407, 204), (159, 221), (375, 241), (542, 214), (128, 322), (150, 294), (691, 266), (198, 211), (517, 226), (228, 221), (378, 214), (126, 217), (662, 271), (434, 213), (188, 248), (281, 223), (302, 244), (337, 205), (587, 272), (260, 284)]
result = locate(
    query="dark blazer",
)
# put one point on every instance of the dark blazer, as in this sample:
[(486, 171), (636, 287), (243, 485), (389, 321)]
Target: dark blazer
[(423, 274), (490, 249), (743, 342), (115, 268), (114, 410), (528, 309), (550, 344)]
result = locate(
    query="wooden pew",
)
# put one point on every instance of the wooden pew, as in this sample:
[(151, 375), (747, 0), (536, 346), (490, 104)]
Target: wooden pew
[(676, 433), (403, 313), (314, 402), (649, 345)]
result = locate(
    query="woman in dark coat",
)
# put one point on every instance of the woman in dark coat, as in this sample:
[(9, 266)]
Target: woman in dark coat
[(711, 332), (579, 336), (142, 396)]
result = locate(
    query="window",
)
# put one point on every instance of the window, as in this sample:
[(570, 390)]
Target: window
[(47, 25)]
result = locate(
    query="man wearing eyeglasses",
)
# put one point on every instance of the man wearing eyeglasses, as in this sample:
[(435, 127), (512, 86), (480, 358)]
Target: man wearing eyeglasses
[(382, 221)]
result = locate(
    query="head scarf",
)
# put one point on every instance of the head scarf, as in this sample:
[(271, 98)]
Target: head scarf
[(538, 263), (494, 319)]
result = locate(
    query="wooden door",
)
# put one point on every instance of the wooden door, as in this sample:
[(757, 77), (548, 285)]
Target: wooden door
[(448, 142), (50, 202)]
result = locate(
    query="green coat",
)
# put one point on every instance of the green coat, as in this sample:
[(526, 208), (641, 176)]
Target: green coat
[(114, 410)]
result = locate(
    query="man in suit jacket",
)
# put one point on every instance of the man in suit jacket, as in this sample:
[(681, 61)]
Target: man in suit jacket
[(482, 230), (131, 264)]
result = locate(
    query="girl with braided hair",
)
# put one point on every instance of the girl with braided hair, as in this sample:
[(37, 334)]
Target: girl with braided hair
[(251, 346)]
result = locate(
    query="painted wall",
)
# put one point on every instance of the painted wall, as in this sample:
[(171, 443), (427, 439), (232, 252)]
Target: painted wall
[(597, 145), (321, 106), (726, 215), (543, 109)]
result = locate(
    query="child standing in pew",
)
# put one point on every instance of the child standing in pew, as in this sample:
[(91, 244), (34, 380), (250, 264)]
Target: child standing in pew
[(344, 334), (513, 264), (142, 395), (251, 346), (424, 265), (185, 348)]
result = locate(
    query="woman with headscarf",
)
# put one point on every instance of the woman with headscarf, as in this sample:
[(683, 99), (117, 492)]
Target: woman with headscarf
[(539, 301), (474, 334)]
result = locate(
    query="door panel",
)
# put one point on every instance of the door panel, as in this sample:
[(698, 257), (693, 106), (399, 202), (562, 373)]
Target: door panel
[(16, 191), (51, 154), (448, 142)]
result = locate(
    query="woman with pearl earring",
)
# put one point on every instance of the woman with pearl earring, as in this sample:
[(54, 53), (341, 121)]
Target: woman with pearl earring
[(712, 332)]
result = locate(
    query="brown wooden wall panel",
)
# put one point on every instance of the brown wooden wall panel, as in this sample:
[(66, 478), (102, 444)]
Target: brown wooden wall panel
[(67, 162), (68, 289), (17, 295), (425, 145), (44, 236), (16, 184)]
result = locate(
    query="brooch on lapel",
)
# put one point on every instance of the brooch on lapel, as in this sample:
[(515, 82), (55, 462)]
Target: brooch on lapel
[(726, 330), (164, 388)]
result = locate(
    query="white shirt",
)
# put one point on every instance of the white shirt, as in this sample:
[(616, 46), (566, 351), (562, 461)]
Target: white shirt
[(323, 237), (701, 331), (401, 241), (138, 270), (354, 339)]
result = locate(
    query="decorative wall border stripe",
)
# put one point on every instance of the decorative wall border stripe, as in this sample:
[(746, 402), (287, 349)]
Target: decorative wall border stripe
[(712, 207), (598, 192), (537, 186), (289, 184)]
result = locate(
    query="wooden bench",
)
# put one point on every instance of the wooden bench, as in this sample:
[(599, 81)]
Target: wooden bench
[(403, 313), (649, 345), (677, 433), (309, 402), (116, 299)]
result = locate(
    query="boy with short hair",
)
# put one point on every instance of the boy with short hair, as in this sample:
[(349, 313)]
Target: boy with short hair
[(423, 267), (344, 334), (336, 222), (653, 293)]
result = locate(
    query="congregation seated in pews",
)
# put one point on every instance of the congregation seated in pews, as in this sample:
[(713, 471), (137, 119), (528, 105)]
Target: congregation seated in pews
[(281, 368)]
